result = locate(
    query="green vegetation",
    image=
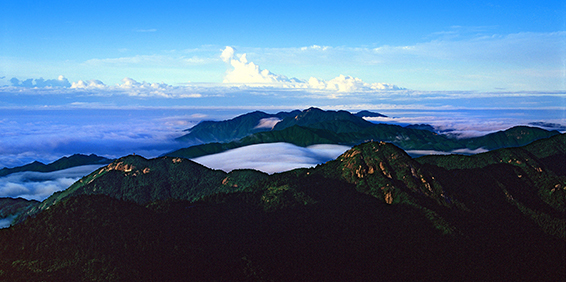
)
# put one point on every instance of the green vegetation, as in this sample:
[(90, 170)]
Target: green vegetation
[(372, 214), (134, 178), (11, 206), (315, 126), (229, 130)]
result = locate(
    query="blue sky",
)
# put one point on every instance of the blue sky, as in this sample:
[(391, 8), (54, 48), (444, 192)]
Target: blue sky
[(422, 45)]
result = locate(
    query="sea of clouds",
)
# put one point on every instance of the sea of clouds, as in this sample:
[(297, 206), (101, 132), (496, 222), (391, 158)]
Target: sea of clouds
[(40, 185), (272, 157)]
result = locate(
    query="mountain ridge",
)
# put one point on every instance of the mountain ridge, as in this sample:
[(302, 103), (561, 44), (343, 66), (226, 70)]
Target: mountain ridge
[(405, 137), (250, 123), (373, 213), (62, 163)]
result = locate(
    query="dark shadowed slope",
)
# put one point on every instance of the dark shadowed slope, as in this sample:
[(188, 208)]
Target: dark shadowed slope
[(372, 214)]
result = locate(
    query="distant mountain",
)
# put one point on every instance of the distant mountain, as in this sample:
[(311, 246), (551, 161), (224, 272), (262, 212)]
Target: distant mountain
[(62, 163), (335, 121), (513, 137), (255, 122), (372, 214), (363, 114), (421, 127), (350, 133), (233, 129), (316, 126)]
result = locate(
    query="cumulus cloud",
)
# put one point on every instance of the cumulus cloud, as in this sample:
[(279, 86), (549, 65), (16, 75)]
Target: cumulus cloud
[(349, 84), (60, 81), (272, 157), (132, 87), (89, 84), (245, 72), (40, 185)]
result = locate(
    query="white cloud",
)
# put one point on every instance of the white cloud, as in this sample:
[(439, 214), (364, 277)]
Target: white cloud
[(272, 157), (131, 87), (89, 84), (6, 222), (60, 81), (227, 54), (245, 72), (348, 84), (48, 135), (40, 185), (268, 122), (315, 47), (418, 153), (248, 73)]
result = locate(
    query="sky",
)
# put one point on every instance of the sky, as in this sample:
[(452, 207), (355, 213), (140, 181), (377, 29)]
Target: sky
[(121, 77), (422, 45)]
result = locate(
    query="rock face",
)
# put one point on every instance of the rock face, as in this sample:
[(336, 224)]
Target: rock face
[(387, 172)]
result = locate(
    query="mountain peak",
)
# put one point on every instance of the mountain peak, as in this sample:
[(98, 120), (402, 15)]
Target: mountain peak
[(386, 172), (317, 118)]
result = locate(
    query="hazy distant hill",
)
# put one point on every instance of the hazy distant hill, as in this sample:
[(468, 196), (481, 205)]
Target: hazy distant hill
[(372, 214), (233, 129), (254, 122), (62, 163), (364, 114), (335, 121), (347, 133)]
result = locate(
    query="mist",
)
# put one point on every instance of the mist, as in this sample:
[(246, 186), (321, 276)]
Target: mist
[(6, 222), (272, 157), (38, 186)]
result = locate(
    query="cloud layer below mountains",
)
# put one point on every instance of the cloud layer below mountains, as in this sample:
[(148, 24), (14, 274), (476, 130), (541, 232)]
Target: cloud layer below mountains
[(272, 157), (40, 185)]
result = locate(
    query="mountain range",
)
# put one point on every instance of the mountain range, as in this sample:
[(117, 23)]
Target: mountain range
[(254, 122), (316, 126), (374, 213), (62, 163)]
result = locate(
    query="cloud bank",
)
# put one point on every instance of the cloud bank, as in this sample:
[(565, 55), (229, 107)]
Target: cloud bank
[(61, 81), (40, 185), (272, 157), (128, 87), (45, 135), (248, 73)]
